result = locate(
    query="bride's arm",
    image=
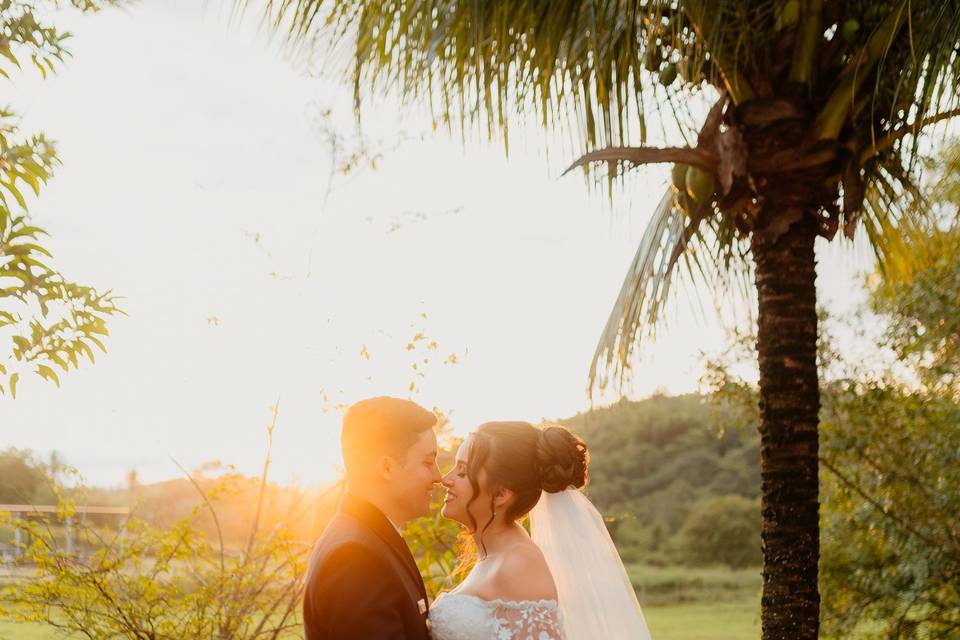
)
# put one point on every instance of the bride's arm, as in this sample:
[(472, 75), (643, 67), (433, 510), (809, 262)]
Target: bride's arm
[(527, 597), (539, 620)]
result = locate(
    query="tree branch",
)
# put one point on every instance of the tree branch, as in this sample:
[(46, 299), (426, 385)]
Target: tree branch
[(885, 511), (648, 155)]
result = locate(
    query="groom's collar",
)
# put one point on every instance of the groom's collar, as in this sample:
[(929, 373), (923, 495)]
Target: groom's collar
[(366, 511)]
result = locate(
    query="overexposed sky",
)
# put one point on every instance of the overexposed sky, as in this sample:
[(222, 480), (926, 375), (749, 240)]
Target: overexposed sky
[(195, 184)]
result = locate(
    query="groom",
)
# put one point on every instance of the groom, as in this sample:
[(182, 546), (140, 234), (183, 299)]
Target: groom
[(362, 582)]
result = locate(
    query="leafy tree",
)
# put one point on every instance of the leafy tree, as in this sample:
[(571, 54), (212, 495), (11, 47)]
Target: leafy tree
[(143, 582), (889, 453), (724, 529), (22, 479), (920, 290), (51, 321), (816, 112), (893, 450), (891, 562)]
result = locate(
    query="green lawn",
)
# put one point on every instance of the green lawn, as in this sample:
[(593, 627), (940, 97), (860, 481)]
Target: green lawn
[(705, 621)]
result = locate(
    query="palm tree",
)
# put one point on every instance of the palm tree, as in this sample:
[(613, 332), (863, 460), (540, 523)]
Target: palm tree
[(817, 107)]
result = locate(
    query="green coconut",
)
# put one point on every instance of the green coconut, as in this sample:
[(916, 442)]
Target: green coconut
[(849, 30), (789, 15), (678, 176), (700, 184)]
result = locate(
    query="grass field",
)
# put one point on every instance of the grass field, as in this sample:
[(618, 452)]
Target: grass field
[(705, 621), (681, 603), (701, 621)]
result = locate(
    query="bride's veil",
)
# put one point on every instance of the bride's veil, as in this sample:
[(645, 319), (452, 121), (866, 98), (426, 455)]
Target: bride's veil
[(595, 596)]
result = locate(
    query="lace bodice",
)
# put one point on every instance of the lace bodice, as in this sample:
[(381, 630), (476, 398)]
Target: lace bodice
[(456, 616)]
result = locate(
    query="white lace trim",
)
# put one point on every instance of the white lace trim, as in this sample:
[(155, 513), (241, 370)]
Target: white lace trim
[(509, 604), (500, 619)]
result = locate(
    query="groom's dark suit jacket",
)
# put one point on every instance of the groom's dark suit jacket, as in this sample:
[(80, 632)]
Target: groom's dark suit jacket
[(362, 582)]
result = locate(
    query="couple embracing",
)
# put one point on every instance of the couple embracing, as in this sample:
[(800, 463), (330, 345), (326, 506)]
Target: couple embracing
[(563, 581)]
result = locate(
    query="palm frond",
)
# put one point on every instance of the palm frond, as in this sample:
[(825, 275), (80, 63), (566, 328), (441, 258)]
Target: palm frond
[(864, 80), (484, 63), (698, 247)]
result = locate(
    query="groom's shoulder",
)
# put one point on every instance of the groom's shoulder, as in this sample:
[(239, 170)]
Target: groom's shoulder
[(345, 532), (348, 538), (345, 542)]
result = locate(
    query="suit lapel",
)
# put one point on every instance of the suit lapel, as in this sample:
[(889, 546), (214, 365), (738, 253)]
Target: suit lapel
[(384, 529)]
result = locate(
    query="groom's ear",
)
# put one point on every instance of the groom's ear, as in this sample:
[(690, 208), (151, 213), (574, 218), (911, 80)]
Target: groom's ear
[(385, 467)]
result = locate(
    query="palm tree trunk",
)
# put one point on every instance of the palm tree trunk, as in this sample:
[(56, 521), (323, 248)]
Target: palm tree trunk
[(789, 406)]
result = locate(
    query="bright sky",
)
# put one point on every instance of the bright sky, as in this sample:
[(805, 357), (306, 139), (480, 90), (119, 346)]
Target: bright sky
[(193, 183)]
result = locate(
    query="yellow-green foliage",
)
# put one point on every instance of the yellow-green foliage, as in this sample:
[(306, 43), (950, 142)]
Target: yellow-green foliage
[(52, 322), (139, 581)]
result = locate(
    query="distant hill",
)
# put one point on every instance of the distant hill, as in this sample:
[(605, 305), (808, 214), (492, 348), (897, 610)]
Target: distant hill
[(667, 473), (657, 462)]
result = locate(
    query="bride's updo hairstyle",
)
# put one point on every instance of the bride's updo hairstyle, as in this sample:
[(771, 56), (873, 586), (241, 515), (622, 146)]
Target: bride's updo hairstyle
[(525, 459)]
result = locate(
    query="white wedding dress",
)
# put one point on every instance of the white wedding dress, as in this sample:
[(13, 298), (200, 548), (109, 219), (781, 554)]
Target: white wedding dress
[(596, 599), (456, 616)]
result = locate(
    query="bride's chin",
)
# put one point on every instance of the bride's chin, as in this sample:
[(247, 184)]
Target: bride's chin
[(445, 512)]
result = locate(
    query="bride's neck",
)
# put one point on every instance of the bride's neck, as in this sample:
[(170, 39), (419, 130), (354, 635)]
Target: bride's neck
[(497, 536)]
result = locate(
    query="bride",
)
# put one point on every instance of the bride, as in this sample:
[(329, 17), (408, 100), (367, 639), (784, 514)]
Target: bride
[(565, 581)]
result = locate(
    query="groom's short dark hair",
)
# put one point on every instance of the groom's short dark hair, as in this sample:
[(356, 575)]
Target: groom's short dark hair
[(381, 426)]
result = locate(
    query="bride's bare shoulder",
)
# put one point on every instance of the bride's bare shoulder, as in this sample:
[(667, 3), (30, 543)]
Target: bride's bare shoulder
[(523, 574)]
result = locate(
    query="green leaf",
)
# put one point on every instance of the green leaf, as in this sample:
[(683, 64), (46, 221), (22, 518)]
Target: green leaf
[(38, 65), (6, 53), (7, 273), (12, 188), (46, 372), (57, 358), (22, 344), (14, 379), (30, 232), (27, 248), (85, 348)]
